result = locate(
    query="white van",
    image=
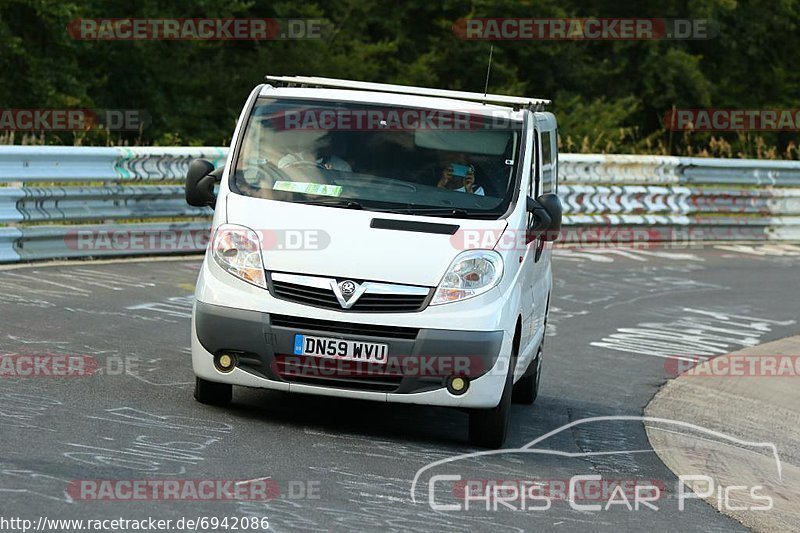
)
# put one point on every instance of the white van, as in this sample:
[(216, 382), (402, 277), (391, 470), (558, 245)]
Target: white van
[(379, 242)]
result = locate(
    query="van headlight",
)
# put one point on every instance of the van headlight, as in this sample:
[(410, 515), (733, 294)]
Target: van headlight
[(471, 273), (237, 249)]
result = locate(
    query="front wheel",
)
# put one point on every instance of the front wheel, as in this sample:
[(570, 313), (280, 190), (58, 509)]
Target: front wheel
[(212, 393), (527, 387), (488, 427)]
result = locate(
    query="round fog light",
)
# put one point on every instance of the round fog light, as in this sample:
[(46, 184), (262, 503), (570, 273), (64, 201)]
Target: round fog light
[(224, 362), (457, 385)]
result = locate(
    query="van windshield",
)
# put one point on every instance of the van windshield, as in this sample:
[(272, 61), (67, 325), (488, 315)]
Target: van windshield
[(389, 159)]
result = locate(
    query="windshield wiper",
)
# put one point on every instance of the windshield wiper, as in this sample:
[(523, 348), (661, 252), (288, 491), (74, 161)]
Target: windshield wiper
[(434, 211), (344, 204), (453, 212)]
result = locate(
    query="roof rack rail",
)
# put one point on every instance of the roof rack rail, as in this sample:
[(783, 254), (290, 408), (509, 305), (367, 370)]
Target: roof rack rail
[(534, 104)]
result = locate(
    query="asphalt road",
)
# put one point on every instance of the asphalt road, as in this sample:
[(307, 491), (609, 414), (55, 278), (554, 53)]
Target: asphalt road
[(344, 465)]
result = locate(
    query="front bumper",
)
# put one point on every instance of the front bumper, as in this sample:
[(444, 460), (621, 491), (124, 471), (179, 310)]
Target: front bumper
[(419, 360)]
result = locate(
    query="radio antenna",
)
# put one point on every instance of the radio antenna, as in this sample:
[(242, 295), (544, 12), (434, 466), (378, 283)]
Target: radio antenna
[(488, 71)]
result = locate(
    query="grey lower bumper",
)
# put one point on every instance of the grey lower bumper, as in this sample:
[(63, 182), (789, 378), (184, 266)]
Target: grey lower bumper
[(418, 360)]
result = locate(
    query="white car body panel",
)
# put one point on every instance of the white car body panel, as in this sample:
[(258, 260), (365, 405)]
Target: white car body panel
[(355, 250)]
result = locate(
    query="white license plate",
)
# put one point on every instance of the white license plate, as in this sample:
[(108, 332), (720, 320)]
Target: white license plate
[(369, 352)]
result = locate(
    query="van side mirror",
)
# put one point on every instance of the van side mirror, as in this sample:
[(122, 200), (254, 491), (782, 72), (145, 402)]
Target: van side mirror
[(200, 181), (552, 204), (546, 221)]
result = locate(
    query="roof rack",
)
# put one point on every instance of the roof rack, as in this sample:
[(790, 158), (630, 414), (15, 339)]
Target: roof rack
[(535, 104)]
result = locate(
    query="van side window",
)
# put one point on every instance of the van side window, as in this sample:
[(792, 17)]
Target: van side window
[(548, 163)]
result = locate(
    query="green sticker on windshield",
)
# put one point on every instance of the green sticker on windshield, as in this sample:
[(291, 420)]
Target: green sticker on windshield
[(321, 189)]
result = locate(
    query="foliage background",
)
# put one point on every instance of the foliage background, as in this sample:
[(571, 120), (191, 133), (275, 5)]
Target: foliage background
[(609, 96)]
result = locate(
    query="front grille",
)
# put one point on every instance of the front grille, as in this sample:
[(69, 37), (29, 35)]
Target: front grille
[(389, 303), (367, 303), (305, 295), (345, 328), (372, 381)]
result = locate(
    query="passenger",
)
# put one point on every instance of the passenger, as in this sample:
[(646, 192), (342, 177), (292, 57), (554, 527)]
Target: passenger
[(459, 177)]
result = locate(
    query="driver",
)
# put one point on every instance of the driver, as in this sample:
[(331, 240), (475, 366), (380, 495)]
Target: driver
[(331, 162), (323, 158)]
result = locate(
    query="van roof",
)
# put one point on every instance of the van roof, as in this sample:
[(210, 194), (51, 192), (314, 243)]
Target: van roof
[(504, 101)]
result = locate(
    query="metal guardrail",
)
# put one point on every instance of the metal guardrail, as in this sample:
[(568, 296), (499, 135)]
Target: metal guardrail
[(678, 198), (63, 202), (670, 170), (75, 164), (78, 204)]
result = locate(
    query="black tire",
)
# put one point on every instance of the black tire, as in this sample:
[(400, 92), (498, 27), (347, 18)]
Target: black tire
[(212, 393), (488, 427), (527, 388)]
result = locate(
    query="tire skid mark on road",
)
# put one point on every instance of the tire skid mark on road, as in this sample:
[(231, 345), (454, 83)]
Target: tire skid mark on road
[(170, 447), (20, 410), (281, 512), (369, 492), (609, 288), (120, 314), (17, 300), (130, 416), (175, 306), (25, 340), (692, 333), (72, 281), (591, 437), (107, 362), (23, 285), (609, 255), (151, 453), (115, 282), (33, 483), (383, 448), (761, 250), (23, 411), (151, 371)]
